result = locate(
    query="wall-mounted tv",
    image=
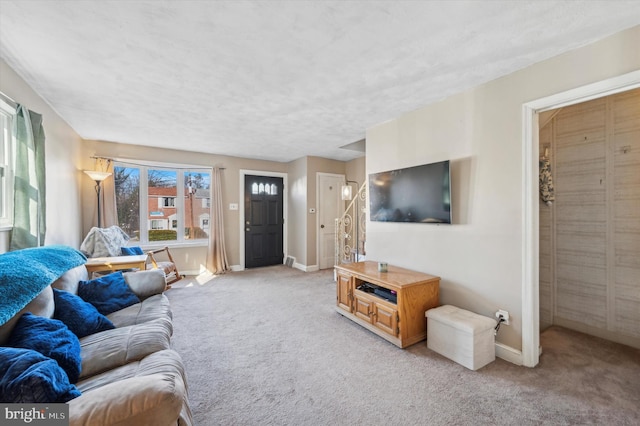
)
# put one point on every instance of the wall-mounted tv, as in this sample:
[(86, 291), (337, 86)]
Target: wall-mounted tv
[(415, 194)]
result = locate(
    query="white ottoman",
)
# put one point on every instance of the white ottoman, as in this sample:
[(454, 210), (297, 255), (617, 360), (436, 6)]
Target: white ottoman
[(461, 336)]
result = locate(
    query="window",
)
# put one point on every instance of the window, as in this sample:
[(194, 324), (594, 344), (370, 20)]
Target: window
[(7, 117), (161, 203)]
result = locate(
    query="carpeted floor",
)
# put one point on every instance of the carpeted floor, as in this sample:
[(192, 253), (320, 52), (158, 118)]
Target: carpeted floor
[(266, 347)]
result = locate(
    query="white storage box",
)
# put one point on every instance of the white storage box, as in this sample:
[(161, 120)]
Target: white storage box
[(461, 336)]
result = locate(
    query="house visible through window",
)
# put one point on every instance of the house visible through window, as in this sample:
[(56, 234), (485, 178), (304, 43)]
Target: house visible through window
[(162, 203), (7, 117)]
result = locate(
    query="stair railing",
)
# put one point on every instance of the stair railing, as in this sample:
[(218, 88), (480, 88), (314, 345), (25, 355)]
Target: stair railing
[(351, 227)]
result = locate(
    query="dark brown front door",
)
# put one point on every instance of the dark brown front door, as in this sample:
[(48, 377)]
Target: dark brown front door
[(263, 220)]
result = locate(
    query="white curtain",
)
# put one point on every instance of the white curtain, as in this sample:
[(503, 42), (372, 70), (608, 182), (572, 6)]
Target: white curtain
[(217, 261)]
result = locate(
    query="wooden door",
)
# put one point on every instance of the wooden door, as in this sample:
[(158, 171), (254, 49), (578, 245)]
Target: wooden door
[(386, 318), (343, 297), (595, 218), (263, 220), (330, 207)]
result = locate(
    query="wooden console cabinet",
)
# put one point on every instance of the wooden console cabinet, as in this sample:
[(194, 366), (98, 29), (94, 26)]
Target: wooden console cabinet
[(402, 323)]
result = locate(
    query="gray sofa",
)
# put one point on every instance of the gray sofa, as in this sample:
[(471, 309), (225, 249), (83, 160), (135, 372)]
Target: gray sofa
[(129, 375)]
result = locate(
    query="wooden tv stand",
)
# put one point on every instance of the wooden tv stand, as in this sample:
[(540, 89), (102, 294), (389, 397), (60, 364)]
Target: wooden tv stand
[(402, 323)]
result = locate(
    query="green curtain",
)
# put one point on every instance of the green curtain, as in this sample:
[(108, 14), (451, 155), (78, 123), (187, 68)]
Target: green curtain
[(29, 208)]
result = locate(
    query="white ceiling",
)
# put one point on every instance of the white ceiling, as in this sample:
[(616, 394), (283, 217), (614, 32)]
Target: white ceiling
[(277, 80)]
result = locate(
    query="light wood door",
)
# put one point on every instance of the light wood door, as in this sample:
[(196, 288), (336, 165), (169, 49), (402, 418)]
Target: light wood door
[(595, 221)]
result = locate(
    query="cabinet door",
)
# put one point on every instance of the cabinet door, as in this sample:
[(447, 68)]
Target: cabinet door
[(344, 291), (386, 319), (362, 306)]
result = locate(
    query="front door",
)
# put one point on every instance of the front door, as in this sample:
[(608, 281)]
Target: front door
[(263, 220)]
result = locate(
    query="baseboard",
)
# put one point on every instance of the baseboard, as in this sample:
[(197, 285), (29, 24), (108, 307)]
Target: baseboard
[(192, 272), (305, 268), (237, 268), (509, 354)]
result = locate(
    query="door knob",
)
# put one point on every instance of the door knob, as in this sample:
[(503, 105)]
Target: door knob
[(321, 226), (247, 229)]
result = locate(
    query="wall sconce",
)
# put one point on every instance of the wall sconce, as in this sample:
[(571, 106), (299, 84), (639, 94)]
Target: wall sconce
[(98, 177), (346, 192)]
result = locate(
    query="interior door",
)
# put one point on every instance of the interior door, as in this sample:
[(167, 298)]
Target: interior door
[(263, 220), (330, 207)]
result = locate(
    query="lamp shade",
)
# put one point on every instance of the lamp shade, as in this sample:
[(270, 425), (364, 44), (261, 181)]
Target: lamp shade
[(97, 176), (346, 192)]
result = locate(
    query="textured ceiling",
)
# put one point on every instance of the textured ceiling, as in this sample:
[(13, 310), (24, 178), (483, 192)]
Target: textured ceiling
[(277, 80)]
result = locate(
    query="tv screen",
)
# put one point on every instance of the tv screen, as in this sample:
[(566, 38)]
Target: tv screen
[(415, 194)]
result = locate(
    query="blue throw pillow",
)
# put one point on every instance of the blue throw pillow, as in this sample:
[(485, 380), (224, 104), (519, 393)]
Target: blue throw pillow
[(131, 251), (81, 317), (28, 376), (51, 338), (108, 293)]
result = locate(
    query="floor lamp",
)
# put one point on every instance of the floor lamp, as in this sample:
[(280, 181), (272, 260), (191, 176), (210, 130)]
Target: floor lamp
[(98, 177)]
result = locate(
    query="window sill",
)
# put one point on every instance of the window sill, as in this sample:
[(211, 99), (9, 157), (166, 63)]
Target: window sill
[(162, 244), (6, 228)]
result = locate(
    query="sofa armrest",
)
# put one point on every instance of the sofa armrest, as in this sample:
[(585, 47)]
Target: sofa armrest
[(156, 399), (146, 283)]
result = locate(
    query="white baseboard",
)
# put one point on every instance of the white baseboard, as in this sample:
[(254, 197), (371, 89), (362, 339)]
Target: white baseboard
[(305, 268), (237, 268), (509, 354)]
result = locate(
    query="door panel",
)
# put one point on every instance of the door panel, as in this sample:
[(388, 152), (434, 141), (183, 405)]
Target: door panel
[(330, 207), (263, 221)]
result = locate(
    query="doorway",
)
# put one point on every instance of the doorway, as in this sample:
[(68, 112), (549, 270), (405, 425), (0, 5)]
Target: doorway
[(263, 239), (530, 205), (330, 207)]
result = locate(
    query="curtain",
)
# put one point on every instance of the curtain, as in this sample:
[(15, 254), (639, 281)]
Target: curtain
[(217, 256), (108, 194), (29, 199)]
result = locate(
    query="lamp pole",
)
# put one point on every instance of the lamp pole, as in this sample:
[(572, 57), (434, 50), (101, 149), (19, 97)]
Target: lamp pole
[(98, 177)]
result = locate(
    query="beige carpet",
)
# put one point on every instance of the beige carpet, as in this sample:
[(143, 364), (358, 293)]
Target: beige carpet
[(266, 347)]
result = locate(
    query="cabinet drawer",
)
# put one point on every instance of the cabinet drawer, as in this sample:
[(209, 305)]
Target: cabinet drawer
[(386, 319), (362, 306)]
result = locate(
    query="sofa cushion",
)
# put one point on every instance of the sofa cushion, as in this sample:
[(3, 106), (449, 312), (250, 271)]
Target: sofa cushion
[(108, 293), (43, 305), (146, 283), (30, 377), (81, 317), (70, 279), (112, 348), (149, 391), (148, 310), (51, 338)]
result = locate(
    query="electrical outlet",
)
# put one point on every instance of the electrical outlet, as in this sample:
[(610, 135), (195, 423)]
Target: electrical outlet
[(504, 315)]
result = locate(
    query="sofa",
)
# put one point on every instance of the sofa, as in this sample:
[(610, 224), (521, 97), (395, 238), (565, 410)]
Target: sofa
[(128, 373)]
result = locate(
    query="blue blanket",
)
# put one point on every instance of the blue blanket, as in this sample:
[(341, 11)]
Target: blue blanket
[(25, 273)]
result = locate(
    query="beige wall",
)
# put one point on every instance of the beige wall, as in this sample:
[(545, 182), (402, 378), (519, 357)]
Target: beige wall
[(63, 158), (298, 210), (355, 170), (188, 259), (479, 257)]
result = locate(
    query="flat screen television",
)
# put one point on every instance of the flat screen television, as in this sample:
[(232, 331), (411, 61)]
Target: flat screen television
[(419, 194)]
